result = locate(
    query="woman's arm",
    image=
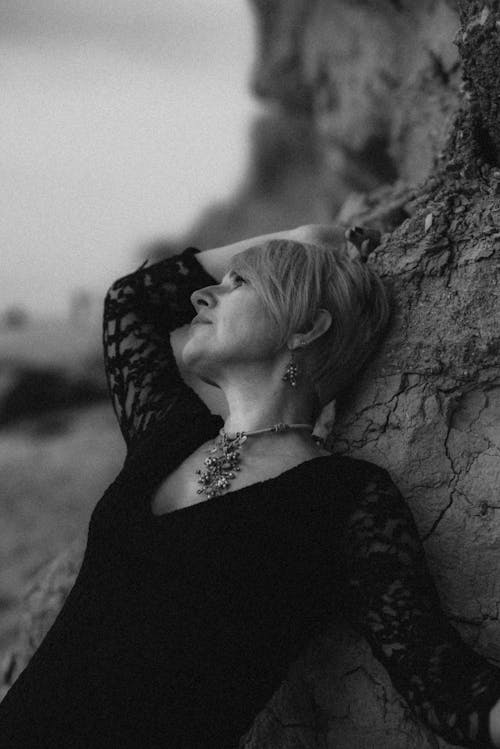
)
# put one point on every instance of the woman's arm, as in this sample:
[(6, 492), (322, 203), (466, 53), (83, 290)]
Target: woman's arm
[(140, 311), (394, 604), (216, 261)]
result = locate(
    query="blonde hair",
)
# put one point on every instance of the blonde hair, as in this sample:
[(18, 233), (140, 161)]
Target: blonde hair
[(294, 280)]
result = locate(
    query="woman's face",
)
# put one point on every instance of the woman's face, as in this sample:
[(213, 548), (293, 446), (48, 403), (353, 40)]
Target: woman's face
[(231, 332)]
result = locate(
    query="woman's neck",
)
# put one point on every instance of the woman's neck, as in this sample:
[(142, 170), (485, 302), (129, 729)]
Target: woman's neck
[(292, 445), (251, 411), (295, 441)]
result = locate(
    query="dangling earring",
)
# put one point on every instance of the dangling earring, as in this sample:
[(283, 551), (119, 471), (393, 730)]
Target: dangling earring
[(292, 370)]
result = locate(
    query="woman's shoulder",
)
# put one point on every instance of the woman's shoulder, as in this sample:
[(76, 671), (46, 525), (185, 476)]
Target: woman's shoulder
[(368, 484), (357, 468), (338, 475), (373, 492)]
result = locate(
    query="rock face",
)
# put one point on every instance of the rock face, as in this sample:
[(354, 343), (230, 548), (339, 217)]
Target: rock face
[(380, 80), (396, 103)]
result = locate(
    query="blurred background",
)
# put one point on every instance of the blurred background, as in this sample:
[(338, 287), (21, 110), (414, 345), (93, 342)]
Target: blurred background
[(120, 124)]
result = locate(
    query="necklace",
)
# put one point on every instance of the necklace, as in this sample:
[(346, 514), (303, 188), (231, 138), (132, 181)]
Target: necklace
[(221, 468)]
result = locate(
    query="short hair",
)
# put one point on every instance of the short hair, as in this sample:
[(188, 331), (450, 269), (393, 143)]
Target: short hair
[(294, 279)]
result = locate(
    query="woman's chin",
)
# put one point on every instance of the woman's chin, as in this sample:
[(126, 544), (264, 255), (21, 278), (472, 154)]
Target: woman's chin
[(200, 374), (192, 359), (188, 357)]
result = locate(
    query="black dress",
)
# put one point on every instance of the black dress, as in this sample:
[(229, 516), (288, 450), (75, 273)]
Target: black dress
[(180, 627)]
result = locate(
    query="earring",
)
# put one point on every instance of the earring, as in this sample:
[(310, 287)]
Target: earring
[(292, 369)]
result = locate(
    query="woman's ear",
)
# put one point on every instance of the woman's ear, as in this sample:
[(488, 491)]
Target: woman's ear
[(320, 325), (322, 322)]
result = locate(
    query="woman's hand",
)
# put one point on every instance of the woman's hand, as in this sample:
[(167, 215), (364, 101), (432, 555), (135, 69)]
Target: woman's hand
[(358, 241), (325, 421)]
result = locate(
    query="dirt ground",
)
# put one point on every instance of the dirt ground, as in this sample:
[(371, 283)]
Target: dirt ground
[(52, 473)]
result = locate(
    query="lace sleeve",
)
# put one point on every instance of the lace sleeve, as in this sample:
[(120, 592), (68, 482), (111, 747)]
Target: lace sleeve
[(140, 310), (395, 605)]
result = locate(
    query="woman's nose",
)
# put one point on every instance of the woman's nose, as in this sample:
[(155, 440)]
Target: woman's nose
[(202, 296)]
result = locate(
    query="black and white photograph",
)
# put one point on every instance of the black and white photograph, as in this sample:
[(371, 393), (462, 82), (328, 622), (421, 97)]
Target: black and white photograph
[(250, 374)]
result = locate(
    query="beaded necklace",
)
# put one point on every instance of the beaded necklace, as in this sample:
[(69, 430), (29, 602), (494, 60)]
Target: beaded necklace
[(221, 468)]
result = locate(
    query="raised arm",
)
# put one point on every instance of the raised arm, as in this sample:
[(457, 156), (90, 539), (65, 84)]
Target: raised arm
[(140, 311), (394, 603), (216, 261)]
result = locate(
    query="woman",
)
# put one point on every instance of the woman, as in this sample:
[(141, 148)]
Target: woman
[(196, 592)]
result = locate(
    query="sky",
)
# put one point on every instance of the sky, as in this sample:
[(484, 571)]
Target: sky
[(120, 121)]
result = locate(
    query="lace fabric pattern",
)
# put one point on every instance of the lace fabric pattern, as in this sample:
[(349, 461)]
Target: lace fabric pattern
[(391, 598), (140, 311), (393, 602)]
